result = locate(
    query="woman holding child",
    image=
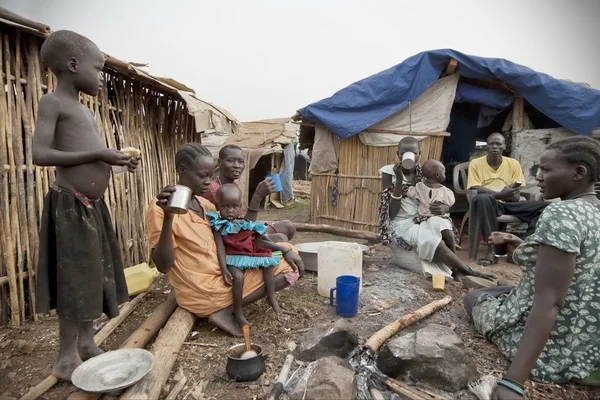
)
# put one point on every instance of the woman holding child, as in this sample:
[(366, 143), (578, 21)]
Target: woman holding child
[(184, 246), (431, 234), (549, 325)]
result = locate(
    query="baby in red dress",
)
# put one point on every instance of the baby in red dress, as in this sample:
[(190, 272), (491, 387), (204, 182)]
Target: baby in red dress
[(243, 244)]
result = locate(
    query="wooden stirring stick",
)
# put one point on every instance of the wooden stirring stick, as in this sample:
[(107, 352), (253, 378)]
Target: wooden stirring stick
[(246, 331)]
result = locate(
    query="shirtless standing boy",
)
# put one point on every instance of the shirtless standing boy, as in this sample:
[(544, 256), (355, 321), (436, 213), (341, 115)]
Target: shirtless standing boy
[(80, 270)]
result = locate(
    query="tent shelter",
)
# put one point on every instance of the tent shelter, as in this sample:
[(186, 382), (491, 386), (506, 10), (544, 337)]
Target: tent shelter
[(134, 108), (455, 99)]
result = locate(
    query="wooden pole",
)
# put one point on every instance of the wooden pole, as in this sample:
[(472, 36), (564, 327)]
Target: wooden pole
[(11, 221), (115, 322), (334, 230), (381, 336), (165, 349), (518, 114), (99, 338), (11, 16), (409, 392), (138, 339), (376, 394), (177, 389), (277, 389)]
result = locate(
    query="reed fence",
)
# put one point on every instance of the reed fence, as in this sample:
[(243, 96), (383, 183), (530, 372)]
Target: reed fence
[(358, 183), (129, 112)]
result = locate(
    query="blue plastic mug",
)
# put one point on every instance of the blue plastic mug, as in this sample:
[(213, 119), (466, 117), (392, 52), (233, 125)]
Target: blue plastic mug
[(347, 288), (277, 179)]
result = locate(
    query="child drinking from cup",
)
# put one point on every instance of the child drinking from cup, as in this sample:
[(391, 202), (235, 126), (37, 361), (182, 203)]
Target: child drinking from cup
[(242, 244), (430, 192)]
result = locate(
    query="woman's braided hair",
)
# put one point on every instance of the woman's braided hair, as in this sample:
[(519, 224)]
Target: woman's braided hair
[(190, 154), (580, 150)]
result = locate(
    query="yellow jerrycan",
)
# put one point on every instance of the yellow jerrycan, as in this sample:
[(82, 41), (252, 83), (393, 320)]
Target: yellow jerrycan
[(139, 278)]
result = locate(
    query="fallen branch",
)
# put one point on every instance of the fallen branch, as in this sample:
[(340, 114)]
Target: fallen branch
[(411, 393), (376, 394), (334, 230), (165, 349), (177, 389), (139, 338), (277, 388), (45, 385), (381, 336)]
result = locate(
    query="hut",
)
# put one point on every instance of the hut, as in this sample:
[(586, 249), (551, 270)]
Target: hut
[(268, 149), (134, 108), (446, 99)]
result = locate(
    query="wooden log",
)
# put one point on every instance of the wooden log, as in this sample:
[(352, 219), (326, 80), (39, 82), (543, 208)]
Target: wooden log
[(376, 394), (115, 322), (334, 230), (381, 336), (11, 16), (99, 338), (277, 389), (452, 66), (139, 338), (151, 326), (410, 392), (177, 389), (165, 349)]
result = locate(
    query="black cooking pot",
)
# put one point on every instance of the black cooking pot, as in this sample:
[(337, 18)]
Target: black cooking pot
[(244, 370)]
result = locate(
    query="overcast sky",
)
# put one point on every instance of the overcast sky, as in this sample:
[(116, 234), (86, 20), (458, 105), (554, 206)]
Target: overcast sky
[(265, 59)]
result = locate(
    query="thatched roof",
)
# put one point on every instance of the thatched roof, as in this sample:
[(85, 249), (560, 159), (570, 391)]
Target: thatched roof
[(209, 117)]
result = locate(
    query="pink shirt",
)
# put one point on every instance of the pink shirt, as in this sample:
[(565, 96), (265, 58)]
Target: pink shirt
[(211, 192)]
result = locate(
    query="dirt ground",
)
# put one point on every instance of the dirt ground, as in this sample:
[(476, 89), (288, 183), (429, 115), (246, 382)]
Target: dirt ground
[(27, 353)]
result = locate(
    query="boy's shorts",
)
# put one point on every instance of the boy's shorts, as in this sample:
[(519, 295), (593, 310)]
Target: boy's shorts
[(80, 269)]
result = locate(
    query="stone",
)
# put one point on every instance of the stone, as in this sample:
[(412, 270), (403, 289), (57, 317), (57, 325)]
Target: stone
[(433, 354), (291, 346), (473, 282), (331, 378), (337, 339)]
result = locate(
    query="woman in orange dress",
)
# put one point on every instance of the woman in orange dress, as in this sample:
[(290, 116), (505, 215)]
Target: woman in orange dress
[(183, 246)]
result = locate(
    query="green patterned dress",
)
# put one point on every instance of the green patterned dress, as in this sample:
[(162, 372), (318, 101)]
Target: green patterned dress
[(572, 351)]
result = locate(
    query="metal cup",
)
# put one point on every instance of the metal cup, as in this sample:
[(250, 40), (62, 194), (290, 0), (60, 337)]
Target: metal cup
[(179, 202), (408, 160)]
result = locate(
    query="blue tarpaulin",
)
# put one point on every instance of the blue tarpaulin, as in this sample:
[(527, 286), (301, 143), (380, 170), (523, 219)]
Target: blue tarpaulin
[(368, 101), (492, 101)]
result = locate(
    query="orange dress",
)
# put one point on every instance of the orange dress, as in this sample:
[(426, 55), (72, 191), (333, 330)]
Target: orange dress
[(196, 275)]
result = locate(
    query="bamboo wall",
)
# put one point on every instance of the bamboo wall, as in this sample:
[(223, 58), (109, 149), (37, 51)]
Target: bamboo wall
[(128, 113), (359, 184)]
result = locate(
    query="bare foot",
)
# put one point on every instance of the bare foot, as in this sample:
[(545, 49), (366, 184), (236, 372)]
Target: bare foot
[(241, 319), (457, 275), (88, 350), (275, 306), (225, 321), (64, 367)]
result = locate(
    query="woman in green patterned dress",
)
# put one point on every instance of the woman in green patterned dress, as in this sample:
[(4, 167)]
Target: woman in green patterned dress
[(549, 325)]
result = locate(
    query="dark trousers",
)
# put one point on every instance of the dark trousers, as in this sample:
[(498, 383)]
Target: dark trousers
[(488, 209)]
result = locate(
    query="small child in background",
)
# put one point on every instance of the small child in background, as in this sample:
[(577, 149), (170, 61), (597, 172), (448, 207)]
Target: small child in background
[(242, 244), (431, 192)]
